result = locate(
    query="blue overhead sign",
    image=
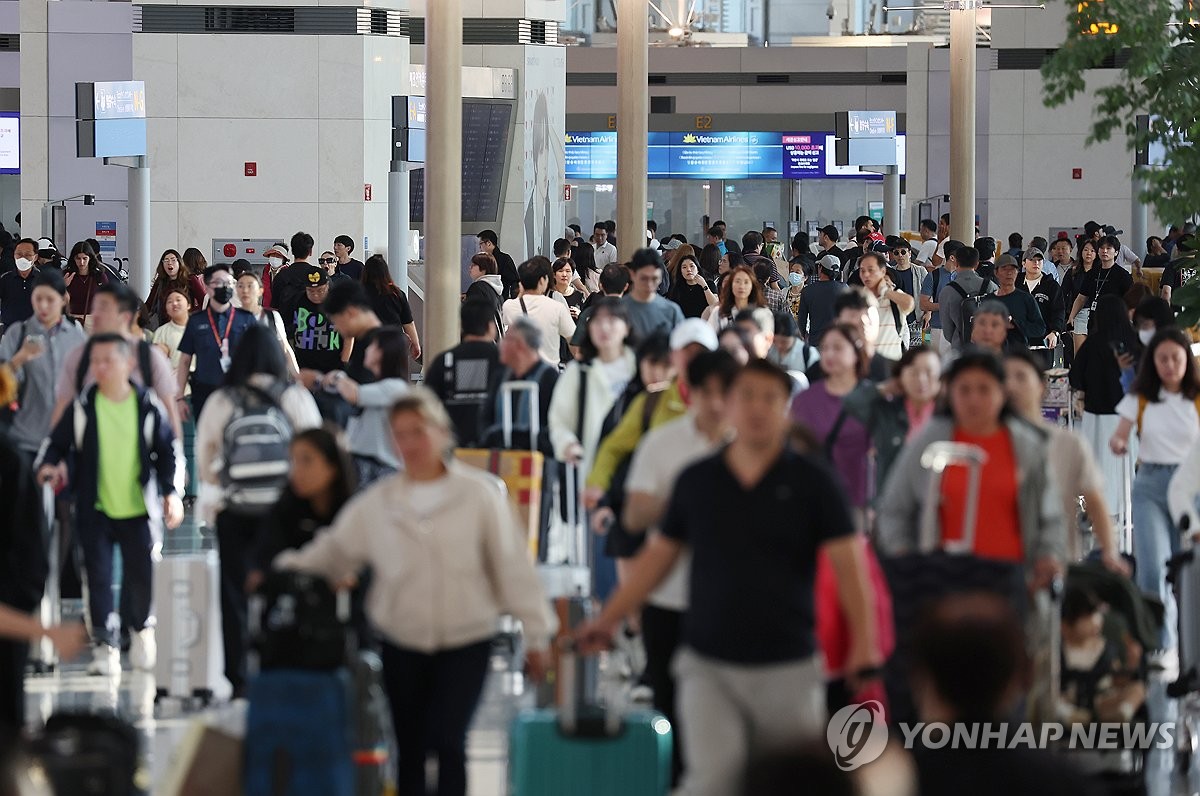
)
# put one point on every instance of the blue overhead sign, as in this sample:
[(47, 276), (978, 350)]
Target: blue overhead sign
[(110, 119), (714, 156)]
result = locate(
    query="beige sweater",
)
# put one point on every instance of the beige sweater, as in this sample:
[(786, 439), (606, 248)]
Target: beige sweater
[(442, 572)]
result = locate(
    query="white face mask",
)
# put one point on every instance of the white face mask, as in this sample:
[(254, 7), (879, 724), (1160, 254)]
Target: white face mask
[(276, 262), (1146, 335), (24, 265)]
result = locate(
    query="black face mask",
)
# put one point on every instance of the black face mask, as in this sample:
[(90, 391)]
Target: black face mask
[(222, 294)]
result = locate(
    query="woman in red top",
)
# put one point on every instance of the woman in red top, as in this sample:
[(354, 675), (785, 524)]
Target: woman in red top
[(1019, 514), (172, 272), (83, 273)]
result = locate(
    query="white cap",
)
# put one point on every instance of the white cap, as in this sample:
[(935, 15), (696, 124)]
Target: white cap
[(693, 330), (45, 244), (830, 263)]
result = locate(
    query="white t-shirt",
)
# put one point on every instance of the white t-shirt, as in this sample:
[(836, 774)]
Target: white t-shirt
[(940, 249), (606, 254), (661, 456), (927, 250), (1169, 427), (1032, 286), (553, 317), (619, 373), (889, 344)]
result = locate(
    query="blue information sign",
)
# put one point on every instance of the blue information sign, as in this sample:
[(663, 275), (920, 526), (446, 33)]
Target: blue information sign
[(714, 156)]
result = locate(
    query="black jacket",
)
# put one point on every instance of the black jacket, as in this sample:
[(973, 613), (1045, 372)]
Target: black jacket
[(1049, 297), (161, 453), (491, 424), (508, 273), (23, 565)]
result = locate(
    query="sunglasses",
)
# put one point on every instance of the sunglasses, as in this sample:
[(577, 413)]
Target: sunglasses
[(327, 261)]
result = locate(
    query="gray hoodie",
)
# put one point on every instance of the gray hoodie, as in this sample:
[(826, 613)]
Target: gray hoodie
[(901, 507), (38, 376)]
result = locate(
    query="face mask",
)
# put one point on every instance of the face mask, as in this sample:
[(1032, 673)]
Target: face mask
[(796, 279), (1146, 335), (222, 294), (276, 262), (24, 265)]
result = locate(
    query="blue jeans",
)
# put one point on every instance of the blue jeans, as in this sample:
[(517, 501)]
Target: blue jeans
[(1155, 540)]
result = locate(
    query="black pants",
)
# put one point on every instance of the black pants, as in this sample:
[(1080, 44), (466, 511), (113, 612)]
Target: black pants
[(433, 698), (97, 536), (237, 538), (13, 655), (661, 630), (200, 395)]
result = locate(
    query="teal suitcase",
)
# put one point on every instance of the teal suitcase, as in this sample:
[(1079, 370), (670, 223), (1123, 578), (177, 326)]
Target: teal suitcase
[(545, 761)]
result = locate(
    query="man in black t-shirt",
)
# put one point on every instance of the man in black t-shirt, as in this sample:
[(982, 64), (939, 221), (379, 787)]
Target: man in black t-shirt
[(350, 311), (320, 348), (343, 247), (461, 375), (1109, 279), (754, 518), (1182, 268)]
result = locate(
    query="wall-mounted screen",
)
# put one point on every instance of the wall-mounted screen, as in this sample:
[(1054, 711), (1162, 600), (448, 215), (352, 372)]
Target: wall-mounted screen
[(10, 142), (717, 156), (485, 145)]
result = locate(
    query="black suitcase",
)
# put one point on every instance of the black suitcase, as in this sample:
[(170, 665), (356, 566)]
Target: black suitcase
[(84, 754)]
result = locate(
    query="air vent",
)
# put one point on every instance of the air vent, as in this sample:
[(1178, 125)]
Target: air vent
[(743, 79), (305, 20), (509, 31), (10, 43), (1032, 59), (250, 20)]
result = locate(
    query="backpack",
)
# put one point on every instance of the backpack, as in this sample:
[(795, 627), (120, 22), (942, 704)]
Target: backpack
[(145, 367), (970, 303), (255, 463)]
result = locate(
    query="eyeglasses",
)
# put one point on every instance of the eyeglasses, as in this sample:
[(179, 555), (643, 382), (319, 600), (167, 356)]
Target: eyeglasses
[(327, 261)]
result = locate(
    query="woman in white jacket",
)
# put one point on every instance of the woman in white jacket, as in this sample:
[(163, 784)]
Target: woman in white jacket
[(606, 366), (447, 560), (256, 372)]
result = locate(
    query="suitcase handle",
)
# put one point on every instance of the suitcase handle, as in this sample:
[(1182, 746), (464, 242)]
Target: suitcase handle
[(936, 458), (507, 418), (573, 716)]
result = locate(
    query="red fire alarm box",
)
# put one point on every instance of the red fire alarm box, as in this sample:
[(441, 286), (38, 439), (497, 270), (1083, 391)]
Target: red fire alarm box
[(251, 169)]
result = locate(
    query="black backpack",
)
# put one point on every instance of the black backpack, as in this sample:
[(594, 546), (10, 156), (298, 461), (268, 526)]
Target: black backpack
[(298, 622), (968, 307)]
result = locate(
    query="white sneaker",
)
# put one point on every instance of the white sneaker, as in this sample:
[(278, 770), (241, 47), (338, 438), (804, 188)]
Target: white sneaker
[(106, 660), (143, 650)]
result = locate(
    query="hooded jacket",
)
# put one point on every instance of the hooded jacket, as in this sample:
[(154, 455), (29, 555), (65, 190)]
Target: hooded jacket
[(160, 452)]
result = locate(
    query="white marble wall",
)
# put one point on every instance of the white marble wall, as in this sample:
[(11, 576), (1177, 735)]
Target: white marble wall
[(313, 112)]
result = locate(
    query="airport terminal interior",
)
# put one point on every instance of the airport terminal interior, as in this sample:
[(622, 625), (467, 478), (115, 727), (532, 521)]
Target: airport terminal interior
[(598, 397)]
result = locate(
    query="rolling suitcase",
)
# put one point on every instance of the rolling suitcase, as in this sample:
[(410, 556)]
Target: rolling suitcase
[(1184, 575), (941, 567), (310, 680), (520, 470), (584, 749), (43, 658), (187, 600), (85, 754)]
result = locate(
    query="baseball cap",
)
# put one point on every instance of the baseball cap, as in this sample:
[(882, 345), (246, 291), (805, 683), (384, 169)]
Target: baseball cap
[(314, 277), (46, 245), (830, 231), (1033, 253), (830, 263), (1091, 228), (672, 244), (693, 330), (1006, 260), (880, 247)]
